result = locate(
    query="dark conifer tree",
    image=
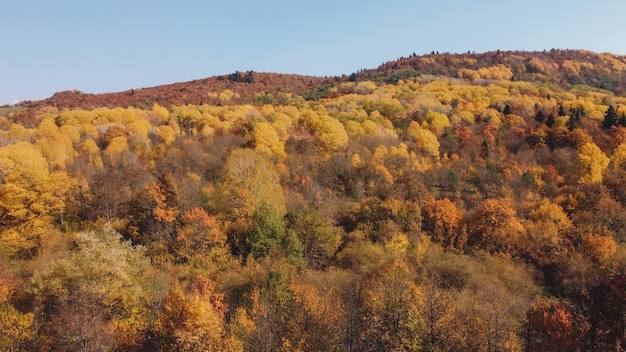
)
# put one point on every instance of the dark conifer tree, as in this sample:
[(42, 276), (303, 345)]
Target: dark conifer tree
[(610, 118), (551, 120), (540, 116), (622, 120), (507, 110)]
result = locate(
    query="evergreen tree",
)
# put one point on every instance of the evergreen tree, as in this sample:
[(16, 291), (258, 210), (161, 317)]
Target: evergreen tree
[(622, 120), (551, 120), (507, 110), (573, 122), (576, 115), (249, 77), (610, 118), (540, 117)]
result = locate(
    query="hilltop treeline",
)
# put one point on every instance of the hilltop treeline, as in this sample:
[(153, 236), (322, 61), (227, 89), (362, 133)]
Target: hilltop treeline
[(434, 211), (565, 68)]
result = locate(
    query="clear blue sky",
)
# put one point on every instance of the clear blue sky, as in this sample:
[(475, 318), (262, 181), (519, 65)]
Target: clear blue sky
[(112, 45)]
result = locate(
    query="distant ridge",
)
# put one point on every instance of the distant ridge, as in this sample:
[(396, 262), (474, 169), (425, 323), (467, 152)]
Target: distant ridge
[(565, 68), (246, 84)]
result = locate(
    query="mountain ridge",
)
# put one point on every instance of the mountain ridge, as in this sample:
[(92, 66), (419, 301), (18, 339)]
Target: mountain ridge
[(565, 68)]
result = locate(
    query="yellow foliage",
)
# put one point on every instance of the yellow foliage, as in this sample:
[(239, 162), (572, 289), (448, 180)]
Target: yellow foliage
[(618, 159), (282, 122), (161, 111), (15, 328), (166, 133), (599, 248), (71, 132), (383, 173), (139, 129), (369, 127), (250, 181), (356, 161), (226, 96), (498, 72), (493, 116), (117, 146), (57, 149), (436, 121), (46, 128), (194, 321), (19, 133), (89, 131), (553, 213), (207, 131), (591, 163), (25, 160), (399, 242), (380, 153), (425, 141), (266, 137), (365, 87), (468, 74), (354, 127), (463, 117), (89, 152), (330, 133)]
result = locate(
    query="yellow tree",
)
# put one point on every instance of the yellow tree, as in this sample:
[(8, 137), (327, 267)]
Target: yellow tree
[(15, 328), (193, 321), (161, 111), (591, 163), (552, 213), (391, 301), (19, 133), (618, 159), (115, 150), (166, 133), (90, 153), (57, 148), (330, 133), (425, 141), (436, 121), (266, 139), (100, 290), (249, 181), (29, 197)]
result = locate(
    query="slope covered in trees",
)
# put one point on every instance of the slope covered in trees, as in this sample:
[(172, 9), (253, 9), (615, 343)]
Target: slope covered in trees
[(249, 86), (451, 207)]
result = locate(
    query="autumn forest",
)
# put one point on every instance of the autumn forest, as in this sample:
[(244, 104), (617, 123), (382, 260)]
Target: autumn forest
[(442, 202)]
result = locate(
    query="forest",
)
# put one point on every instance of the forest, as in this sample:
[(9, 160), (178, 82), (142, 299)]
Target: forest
[(443, 202)]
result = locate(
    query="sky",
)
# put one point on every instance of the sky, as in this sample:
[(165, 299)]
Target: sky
[(99, 46)]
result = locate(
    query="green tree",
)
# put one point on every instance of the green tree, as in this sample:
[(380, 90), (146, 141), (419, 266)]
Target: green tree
[(319, 239), (267, 231)]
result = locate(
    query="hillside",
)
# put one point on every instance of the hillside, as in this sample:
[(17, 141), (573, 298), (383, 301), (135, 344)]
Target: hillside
[(466, 202), (196, 92), (565, 68)]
